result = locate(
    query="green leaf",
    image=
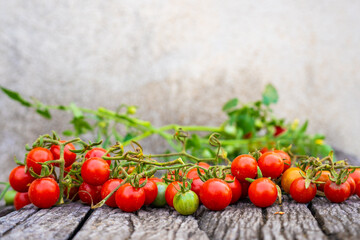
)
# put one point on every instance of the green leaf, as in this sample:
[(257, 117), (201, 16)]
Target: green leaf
[(67, 133), (44, 112), (76, 111), (270, 95), (16, 96), (128, 137), (194, 142), (230, 104), (304, 127)]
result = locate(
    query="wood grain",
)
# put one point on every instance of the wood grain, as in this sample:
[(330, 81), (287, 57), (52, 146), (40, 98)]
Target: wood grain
[(55, 223)]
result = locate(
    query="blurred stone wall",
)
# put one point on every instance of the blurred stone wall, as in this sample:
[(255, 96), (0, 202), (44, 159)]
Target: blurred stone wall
[(179, 61)]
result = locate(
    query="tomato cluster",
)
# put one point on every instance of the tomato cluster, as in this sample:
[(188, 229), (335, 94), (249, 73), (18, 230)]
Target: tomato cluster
[(55, 169)]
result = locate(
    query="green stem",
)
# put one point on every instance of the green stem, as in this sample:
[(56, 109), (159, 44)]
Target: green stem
[(3, 192)]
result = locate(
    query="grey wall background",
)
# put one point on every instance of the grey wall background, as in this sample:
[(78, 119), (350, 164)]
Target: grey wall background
[(180, 61)]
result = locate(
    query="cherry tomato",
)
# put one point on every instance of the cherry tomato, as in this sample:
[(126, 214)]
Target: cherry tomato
[(37, 155), (244, 166), (301, 194), (90, 194), (193, 173), (170, 175), (352, 184), (357, 190), (186, 203), (20, 180), (356, 176), (262, 192), (69, 156), (271, 165), (235, 188), (72, 194), (288, 177), (107, 188), (244, 188), (337, 193), (264, 150), (170, 192), (279, 130), (204, 165), (21, 200), (150, 190), (324, 177), (215, 194), (97, 152), (285, 157), (155, 179), (196, 186), (160, 200), (95, 171), (44, 192), (130, 199), (9, 197)]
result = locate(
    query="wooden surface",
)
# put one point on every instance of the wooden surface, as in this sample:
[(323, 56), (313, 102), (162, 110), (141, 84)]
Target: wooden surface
[(318, 220)]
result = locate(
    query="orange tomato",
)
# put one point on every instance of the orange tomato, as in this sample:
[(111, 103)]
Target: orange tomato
[(324, 177), (288, 177)]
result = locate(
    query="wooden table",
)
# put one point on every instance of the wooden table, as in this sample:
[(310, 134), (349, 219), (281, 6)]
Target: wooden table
[(318, 220)]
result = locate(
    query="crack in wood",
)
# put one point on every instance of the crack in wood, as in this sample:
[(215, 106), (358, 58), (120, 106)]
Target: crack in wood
[(81, 224)]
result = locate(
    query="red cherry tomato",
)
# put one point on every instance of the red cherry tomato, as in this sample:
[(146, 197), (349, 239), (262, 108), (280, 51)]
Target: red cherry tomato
[(95, 171), (337, 193), (204, 165), (235, 188), (352, 184), (271, 165), (196, 186), (90, 194), (356, 176), (215, 194), (155, 180), (244, 166), (301, 194), (244, 189), (130, 199), (73, 193), (37, 155), (264, 150), (170, 192), (193, 173), (20, 180), (107, 188), (150, 190), (279, 130), (285, 157), (44, 192), (97, 152), (69, 157), (262, 192), (357, 190), (21, 200)]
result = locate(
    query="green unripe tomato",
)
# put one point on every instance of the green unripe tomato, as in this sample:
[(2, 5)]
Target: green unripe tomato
[(9, 197), (186, 203), (160, 200), (131, 110)]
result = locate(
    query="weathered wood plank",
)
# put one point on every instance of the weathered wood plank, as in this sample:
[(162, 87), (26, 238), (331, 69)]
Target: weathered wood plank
[(339, 221), (297, 222), (149, 223), (55, 223), (4, 210), (9, 221), (240, 221)]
